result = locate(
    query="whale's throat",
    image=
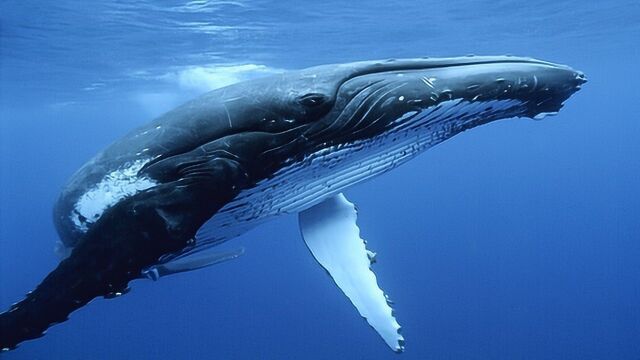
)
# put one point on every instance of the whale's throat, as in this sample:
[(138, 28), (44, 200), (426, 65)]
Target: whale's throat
[(330, 170)]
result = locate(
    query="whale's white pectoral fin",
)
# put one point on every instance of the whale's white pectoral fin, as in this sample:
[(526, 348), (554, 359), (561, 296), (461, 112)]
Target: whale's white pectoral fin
[(331, 233), (190, 263)]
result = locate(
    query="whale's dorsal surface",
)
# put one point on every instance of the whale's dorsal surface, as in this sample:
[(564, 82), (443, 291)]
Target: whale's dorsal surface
[(162, 198)]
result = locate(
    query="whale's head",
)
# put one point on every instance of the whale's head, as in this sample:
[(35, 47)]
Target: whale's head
[(348, 102)]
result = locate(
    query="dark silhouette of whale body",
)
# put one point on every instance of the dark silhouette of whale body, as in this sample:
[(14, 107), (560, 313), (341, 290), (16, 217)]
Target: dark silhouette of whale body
[(158, 200)]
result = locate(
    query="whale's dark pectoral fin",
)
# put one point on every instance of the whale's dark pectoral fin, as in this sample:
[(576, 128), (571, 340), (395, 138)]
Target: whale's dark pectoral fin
[(76, 281), (330, 231), (129, 237), (102, 265)]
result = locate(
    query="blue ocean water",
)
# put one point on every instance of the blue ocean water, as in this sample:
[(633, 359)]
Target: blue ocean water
[(516, 240)]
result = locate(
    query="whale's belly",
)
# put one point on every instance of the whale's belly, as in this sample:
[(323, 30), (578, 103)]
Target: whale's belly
[(329, 171)]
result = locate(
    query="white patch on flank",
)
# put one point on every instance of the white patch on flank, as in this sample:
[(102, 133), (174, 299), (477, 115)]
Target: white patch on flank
[(115, 186)]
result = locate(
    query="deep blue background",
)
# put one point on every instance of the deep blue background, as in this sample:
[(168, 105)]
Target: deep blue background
[(517, 240)]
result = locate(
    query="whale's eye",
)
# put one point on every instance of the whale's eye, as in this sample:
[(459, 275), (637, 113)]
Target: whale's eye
[(312, 99)]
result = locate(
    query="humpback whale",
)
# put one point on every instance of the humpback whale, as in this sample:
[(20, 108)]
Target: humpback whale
[(159, 200)]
